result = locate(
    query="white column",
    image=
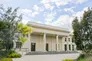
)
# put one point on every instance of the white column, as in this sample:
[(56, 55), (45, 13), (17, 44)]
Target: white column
[(29, 42), (57, 42), (67, 44), (44, 42), (63, 41)]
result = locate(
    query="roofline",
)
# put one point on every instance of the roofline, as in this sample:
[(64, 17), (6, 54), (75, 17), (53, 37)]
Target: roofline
[(40, 25)]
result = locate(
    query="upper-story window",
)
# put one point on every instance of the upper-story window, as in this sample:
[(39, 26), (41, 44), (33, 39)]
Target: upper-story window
[(65, 39), (72, 40), (68, 39), (69, 47)]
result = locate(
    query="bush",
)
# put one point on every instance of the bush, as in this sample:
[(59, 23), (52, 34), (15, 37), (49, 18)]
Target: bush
[(81, 56), (68, 60), (14, 55), (6, 59), (81, 60)]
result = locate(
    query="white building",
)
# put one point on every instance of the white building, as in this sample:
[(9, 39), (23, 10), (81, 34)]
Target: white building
[(49, 38)]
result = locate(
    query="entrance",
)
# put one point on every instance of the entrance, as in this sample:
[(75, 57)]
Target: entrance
[(33, 45), (65, 47), (47, 47)]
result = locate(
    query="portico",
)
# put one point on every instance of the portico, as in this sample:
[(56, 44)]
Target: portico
[(48, 38)]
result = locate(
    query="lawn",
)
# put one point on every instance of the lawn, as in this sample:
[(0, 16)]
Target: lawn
[(87, 57), (6, 59)]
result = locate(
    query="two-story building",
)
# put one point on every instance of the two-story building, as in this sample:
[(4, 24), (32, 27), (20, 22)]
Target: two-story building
[(48, 38)]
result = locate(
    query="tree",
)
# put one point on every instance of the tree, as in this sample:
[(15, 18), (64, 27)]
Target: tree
[(83, 31), (87, 30), (23, 30), (77, 33), (8, 26)]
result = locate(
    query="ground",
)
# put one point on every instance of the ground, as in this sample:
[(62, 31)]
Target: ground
[(49, 57)]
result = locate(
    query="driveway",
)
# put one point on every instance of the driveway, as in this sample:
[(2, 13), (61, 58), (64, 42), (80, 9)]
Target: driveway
[(49, 57)]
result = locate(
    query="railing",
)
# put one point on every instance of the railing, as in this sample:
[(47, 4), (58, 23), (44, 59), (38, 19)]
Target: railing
[(22, 50), (51, 52)]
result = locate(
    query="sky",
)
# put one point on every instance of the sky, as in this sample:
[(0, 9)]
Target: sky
[(51, 12)]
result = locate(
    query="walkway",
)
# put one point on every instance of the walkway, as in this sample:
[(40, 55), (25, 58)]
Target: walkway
[(48, 57)]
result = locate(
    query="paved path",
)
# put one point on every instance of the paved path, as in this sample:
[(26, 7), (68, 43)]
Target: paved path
[(49, 57)]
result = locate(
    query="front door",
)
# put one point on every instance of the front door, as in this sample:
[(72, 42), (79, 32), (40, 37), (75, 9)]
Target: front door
[(47, 47), (33, 45), (65, 47)]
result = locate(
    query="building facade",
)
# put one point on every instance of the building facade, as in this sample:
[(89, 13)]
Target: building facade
[(48, 38)]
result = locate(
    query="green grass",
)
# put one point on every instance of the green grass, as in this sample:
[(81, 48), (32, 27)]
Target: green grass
[(6, 59), (68, 60)]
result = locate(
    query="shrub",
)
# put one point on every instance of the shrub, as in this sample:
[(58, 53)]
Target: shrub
[(6, 59), (11, 51), (68, 60), (14, 55), (81, 56)]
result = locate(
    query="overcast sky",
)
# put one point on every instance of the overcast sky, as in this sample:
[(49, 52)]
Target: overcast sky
[(52, 12)]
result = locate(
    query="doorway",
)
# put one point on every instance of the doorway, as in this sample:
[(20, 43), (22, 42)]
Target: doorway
[(65, 47), (33, 46), (47, 47)]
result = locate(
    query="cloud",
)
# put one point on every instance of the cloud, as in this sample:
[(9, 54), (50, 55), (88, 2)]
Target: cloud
[(36, 8), (48, 6), (63, 21), (63, 2), (4, 1), (79, 14), (69, 9), (27, 14), (80, 1), (25, 11), (49, 17), (34, 14)]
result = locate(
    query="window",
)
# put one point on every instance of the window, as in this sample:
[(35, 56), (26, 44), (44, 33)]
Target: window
[(69, 47), (72, 40), (18, 44), (65, 39), (72, 47), (68, 39)]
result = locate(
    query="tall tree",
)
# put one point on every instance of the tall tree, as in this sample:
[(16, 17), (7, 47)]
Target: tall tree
[(86, 22), (83, 31), (9, 20), (77, 33)]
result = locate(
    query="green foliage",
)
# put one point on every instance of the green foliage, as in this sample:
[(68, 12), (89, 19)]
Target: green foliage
[(1, 45), (82, 56), (14, 55), (23, 30), (6, 59), (68, 60), (85, 57), (8, 26), (83, 31), (23, 39), (77, 33), (81, 59)]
